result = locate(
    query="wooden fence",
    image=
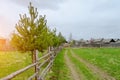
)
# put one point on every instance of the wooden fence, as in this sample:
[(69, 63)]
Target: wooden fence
[(38, 75)]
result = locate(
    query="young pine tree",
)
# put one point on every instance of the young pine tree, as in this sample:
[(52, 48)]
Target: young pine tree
[(31, 32)]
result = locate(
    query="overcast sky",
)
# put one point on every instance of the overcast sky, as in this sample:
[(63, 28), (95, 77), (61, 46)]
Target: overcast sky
[(83, 18)]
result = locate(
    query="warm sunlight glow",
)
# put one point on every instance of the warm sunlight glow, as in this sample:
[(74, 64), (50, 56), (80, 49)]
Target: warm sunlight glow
[(2, 42)]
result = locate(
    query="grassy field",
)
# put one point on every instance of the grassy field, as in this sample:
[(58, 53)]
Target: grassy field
[(13, 61), (107, 59)]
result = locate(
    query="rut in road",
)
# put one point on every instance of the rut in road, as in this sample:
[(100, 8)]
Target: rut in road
[(75, 75), (102, 74)]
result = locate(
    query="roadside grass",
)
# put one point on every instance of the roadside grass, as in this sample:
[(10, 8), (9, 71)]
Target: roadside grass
[(59, 70), (82, 69), (107, 59), (13, 61)]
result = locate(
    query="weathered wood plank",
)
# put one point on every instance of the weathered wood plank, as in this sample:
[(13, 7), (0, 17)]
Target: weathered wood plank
[(37, 64), (18, 72)]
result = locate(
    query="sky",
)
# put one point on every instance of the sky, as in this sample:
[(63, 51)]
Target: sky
[(82, 18)]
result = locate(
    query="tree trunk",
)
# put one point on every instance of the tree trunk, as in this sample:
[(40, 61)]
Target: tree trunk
[(33, 56), (34, 60)]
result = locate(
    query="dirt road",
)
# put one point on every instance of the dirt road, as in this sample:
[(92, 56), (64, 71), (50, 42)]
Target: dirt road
[(102, 75), (71, 66)]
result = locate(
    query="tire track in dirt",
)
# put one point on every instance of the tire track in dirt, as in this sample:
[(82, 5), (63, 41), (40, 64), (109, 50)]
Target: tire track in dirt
[(103, 75), (75, 75)]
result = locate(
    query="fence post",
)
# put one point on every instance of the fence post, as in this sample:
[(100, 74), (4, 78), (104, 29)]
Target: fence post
[(36, 66), (35, 61)]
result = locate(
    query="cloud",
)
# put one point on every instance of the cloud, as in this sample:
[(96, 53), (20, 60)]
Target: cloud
[(5, 26), (82, 18), (88, 18), (106, 7), (41, 4)]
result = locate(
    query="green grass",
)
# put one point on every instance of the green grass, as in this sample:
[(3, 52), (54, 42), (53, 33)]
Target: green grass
[(82, 69), (60, 70), (13, 61), (107, 59)]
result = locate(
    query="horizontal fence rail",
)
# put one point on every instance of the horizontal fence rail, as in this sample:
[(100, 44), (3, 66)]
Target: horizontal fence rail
[(9, 77), (39, 74)]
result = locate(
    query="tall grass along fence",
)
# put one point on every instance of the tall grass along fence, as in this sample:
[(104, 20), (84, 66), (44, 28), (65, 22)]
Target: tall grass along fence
[(40, 66)]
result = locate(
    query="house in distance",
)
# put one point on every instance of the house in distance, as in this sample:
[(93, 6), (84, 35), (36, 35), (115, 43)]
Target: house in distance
[(2, 43)]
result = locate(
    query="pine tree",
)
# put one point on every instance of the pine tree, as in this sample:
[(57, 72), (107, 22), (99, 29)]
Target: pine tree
[(32, 32), (61, 38)]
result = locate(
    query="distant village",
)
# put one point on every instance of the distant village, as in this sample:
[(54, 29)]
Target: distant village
[(5, 43), (97, 43)]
